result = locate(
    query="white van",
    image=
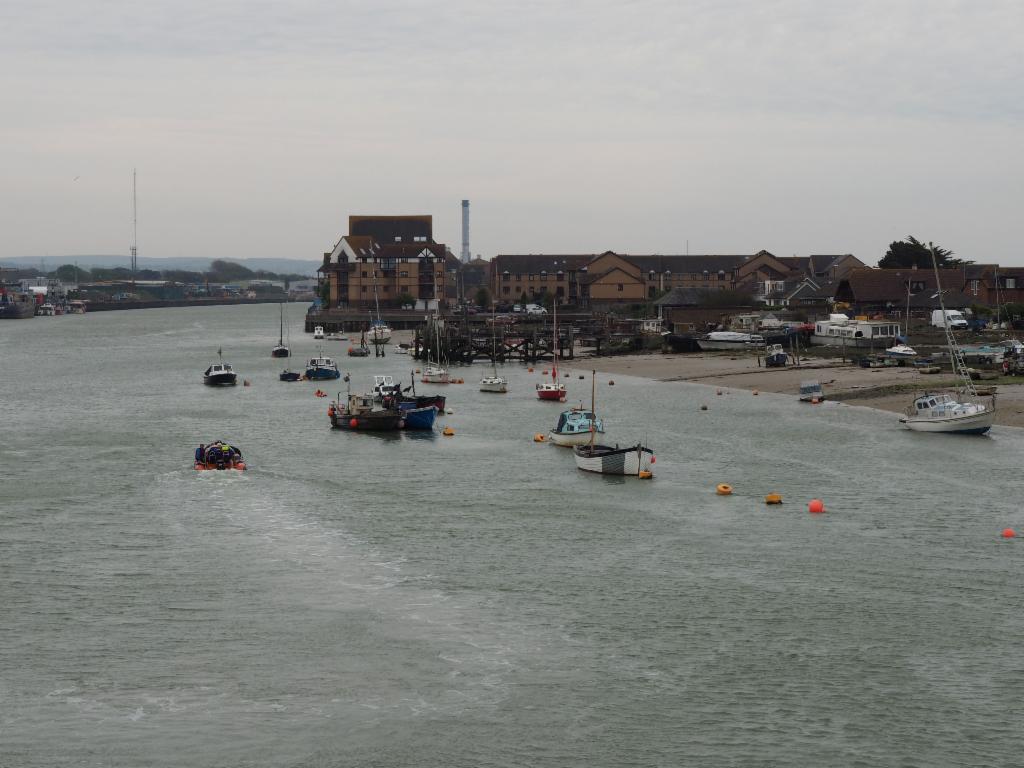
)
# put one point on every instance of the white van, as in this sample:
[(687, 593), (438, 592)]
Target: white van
[(954, 317)]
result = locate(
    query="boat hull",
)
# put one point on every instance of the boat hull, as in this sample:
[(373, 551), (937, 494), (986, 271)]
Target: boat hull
[(17, 310), (551, 393), (493, 384), (420, 418), (969, 424), (220, 380), (280, 352), (422, 401), (606, 460), (381, 421), (570, 439), (290, 376), (238, 466), (321, 374)]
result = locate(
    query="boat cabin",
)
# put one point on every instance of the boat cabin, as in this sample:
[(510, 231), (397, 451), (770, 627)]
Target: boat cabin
[(577, 422), (216, 368), (320, 362), (839, 329)]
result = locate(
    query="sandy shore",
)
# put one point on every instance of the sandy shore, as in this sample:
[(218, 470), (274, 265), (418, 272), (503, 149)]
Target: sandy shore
[(872, 387)]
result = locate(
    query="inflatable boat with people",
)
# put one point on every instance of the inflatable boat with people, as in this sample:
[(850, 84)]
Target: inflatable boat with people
[(218, 455)]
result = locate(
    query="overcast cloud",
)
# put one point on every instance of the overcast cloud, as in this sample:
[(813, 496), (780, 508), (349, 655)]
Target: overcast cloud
[(258, 127)]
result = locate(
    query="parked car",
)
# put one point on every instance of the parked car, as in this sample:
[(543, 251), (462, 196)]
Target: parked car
[(535, 309), (517, 308)]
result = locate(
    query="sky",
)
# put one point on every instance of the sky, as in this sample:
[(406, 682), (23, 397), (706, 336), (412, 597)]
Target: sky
[(700, 126)]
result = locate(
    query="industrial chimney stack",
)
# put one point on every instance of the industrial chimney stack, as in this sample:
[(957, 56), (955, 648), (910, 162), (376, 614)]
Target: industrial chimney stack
[(465, 231)]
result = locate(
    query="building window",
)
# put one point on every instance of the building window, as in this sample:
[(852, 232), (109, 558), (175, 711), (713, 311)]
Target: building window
[(364, 273), (506, 290), (519, 275), (531, 277), (916, 286), (620, 287), (1010, 282), (362, 289), (403, 274)]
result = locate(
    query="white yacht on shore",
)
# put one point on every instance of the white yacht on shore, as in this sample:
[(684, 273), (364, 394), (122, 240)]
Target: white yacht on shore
[(730, 340), (839, 330)]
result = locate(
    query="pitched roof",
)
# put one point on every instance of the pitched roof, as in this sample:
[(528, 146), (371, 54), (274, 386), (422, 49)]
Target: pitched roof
[(868, 284), (535, 262), (681, 297)]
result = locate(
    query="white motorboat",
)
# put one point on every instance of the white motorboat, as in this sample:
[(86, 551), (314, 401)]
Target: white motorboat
[(493, 383), (943, 412), (576, 427), (901, 351), (434, 374), (962, 412), (318, 332), (384, 386), (336, 336), (717, 341)]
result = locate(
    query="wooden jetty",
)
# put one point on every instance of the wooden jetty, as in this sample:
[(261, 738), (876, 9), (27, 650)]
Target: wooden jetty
[(458, 341)]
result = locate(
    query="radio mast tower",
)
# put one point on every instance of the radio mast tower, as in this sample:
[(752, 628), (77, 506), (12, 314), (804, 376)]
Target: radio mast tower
[(465, 231), (135, 231)]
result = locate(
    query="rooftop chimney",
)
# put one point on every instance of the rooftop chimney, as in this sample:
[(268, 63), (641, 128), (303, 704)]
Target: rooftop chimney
[(465, 232)]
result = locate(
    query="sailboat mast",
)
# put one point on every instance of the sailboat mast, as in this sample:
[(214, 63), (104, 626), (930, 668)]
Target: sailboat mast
[(135, 231), (554, 343), (954, 349)]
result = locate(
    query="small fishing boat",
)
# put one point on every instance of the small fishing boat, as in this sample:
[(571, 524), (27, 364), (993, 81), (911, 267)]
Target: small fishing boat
[(281, 350), (318, 332), (575, 426), (321, 367), (220, 373), (384, 386), (775, 356), (287, 375), (417, 417), (421, 401), (434, 374), (362, 350), (635, 460), (360, 412), (380, 333), (218, 455), (810, 390), (493, 382)]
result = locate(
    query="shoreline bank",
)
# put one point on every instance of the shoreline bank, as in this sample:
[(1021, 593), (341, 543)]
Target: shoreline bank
[(887, 389)]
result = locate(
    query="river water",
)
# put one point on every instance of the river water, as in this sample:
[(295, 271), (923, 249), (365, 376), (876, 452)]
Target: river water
[(362, 600)]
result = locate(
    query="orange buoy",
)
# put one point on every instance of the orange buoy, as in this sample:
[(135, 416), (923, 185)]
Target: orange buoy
[(448, 432), (723, 489), (330, 411), (1009, 533), (816, 506), (353, 423), (351, 350), (528, 370), (815, 401), (773, 498), (645, 474), (539, 437)]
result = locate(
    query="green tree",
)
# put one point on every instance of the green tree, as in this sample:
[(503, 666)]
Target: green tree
[(483, 298), (909, 253), (228, 271), (69, 273)]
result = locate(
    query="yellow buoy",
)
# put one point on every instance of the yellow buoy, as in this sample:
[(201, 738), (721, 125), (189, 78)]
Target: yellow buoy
[(773, 498), (645, 475), (723, 489), (539, 437), (448, 432)]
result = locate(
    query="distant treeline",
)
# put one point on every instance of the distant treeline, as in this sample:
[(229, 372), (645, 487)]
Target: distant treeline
[(220, 272)]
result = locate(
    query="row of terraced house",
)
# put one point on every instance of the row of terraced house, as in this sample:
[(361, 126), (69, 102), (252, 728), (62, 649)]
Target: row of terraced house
[(394, 259)]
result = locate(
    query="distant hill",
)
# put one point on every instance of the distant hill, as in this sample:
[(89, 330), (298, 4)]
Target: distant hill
[(280, 266)]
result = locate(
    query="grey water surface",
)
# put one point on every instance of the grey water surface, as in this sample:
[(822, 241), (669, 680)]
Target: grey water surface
[(368, 600)]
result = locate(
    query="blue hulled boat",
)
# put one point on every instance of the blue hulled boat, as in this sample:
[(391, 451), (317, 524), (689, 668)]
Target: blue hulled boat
[(322, 368), (418, 417)]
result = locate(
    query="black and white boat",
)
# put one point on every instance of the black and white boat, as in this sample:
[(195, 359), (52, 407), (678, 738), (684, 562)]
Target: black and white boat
[(220, 374), (635, 460)]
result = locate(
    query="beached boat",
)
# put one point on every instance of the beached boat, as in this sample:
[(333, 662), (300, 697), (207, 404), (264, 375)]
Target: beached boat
[(553, 390), (901, 352), (720, 341), (839, 330), (961, 412), (281, 350), (360, 412), (320, 367), (635, 460), (775, 356), (811, 391)]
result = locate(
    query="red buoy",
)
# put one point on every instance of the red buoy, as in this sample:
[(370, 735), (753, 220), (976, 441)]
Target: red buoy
[(816, 506), (353, 423), (1009, 533)]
